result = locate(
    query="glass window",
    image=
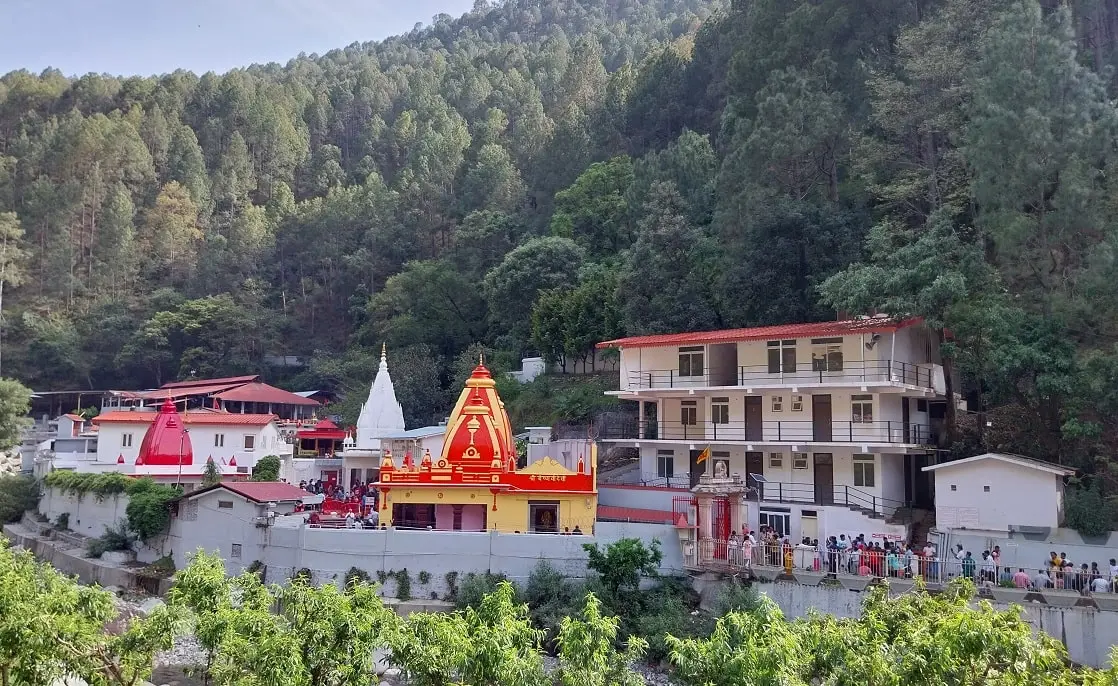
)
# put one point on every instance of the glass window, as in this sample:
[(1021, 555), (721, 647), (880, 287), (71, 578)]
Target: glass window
[(665, 464), (782, 356), (799, 460), (797, 403), (720, 411), (235, 551), (219, 440), (861, 409), (779, 521), (778, 403), (225, 504), (776, 460), (826, 354), (863, 471), (126, 440), (691, 361), (250, 442), (689, 413)]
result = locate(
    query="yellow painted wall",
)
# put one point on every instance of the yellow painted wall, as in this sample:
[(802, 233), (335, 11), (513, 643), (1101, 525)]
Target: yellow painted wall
[(512, 509)]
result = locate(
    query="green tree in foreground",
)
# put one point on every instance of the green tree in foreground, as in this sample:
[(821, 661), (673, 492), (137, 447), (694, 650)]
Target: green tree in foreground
[(51, 626), (587, 652), (267, 469), (211, 475), (916, 639), (18, 494)]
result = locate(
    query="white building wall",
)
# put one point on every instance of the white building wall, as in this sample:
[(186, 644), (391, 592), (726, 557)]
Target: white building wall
[(112, 443), (1017, 496)]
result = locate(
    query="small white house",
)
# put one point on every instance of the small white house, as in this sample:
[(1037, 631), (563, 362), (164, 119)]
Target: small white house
[(999, 492)]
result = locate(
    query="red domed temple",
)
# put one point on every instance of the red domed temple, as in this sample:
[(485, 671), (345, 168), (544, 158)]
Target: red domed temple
[(475, 484)]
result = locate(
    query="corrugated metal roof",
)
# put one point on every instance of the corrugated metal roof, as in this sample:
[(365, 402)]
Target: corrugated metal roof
[(258, 392), (198, 418), (422, 432), (633, 514), (838, 328), (223, 381), (258, 491), (162, 393)]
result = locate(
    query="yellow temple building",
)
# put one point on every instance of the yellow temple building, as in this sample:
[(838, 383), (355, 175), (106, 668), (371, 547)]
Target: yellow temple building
[(475, 484)]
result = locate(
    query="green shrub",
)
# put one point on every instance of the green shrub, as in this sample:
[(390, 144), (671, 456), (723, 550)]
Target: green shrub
[(551, 597), (257, 567), (403, 584), (473, 589), (738, 597), (149, 503), (1088, 512), (267, 468), (116, 538), (63, 522), (424, 578), (18, 494), (355, 576), (451, 587), (303, 575)]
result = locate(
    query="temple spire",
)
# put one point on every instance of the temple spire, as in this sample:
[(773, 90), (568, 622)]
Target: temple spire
[(381, 413)]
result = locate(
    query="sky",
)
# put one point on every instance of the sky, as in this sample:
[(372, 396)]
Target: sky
[(145, 37)]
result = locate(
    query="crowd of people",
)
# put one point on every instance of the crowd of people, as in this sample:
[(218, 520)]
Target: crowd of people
[(897, 559)]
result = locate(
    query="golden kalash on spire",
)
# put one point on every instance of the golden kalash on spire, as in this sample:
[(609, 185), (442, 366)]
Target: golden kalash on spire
[(474, 485)]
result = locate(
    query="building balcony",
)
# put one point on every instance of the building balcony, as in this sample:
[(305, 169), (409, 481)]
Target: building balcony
[(773, 432), (883, 372)]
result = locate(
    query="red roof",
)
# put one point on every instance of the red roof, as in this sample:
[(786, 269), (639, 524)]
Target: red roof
[(324, 428), (839, 328), (74, 417), (258, 491), (166, 442), (257, 392), (191, 417), (634, 514), (224, 381)]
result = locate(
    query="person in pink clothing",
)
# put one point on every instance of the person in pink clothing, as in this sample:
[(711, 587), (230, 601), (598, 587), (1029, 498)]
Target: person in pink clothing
[(1021, 579)]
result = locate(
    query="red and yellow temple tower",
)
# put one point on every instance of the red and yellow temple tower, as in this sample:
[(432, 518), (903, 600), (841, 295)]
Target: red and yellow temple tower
[(475, 485)]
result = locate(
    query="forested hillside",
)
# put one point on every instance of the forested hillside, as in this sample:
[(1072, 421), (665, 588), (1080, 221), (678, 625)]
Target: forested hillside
[(539, 175)]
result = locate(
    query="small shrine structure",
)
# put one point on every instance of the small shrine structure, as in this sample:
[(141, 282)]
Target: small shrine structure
[(474, 484)]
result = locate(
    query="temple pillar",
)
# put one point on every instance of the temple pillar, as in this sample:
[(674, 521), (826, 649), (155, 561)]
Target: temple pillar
[(705, 514)]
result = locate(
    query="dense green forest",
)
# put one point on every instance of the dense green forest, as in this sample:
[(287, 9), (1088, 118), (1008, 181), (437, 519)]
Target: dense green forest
[(538, 175)]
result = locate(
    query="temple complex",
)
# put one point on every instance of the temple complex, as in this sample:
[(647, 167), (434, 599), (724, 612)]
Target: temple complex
[(474, 483)]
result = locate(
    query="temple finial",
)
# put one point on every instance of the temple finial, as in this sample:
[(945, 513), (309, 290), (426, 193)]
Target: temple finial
[(481, 358), (384, 352)]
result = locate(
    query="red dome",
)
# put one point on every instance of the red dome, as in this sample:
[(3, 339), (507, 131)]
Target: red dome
[(165, 438)]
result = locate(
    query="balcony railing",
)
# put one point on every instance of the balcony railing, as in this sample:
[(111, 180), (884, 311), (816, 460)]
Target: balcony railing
[(880, 371), (847, 496), (791, 431)]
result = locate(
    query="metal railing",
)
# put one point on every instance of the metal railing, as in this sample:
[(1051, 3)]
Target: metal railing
[(735, 553), (875, 371), (770, 431), (846, 496)]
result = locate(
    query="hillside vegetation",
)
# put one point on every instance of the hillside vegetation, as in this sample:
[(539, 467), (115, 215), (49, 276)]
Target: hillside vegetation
[(536, 176)]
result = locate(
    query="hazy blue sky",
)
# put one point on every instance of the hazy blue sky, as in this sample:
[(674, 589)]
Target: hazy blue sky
[(157, 36)]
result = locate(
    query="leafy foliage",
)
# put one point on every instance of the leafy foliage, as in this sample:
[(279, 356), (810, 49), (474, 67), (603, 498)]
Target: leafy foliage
[(266, 468), (18, 494), (149, 504)]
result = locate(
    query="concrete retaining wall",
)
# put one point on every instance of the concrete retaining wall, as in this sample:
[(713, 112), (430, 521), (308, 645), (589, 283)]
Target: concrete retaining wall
[(1087, 633)]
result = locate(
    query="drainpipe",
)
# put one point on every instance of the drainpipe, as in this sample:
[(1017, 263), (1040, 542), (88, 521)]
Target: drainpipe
[(892, 356)]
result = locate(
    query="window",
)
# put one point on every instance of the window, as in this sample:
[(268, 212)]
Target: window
[(225, 504), (985, 489), (921, 405), (826, 354), (797, 403), (778, 403), (720, 411), (776, 460), (219, 440), (691, 361), (126, 440), (250, 442), (235, 551), (689, 413), (780, 519), (953, 487), (456, 518), (665, 464), (782, 356), (799, 460), (861, 409), (242, 470), (863, 471)]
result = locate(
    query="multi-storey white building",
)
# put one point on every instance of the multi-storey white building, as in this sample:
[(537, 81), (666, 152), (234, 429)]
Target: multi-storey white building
[(823, 420)]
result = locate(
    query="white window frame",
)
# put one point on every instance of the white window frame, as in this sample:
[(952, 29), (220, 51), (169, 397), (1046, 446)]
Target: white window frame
[(826, 355), (859, 403), (219, 440), (665, 464), (784, 364), (126, 440), (865, 464), (689, 413), (797, 404), (799, 460), (691, 353), (776, 460), (720, 411), (250, 443), (777, 403)]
